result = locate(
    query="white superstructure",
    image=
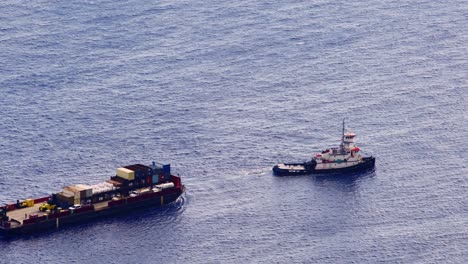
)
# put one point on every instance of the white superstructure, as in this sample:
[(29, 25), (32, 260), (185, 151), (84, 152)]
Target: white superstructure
[(346, 155)]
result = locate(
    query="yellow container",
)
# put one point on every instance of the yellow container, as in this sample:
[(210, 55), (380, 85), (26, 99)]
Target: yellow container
[(126, 174), (29, 202)]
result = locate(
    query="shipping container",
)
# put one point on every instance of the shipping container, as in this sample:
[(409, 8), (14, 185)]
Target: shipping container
[(64, 199), (85, 190), (117, 179), (164, 186), (161, 177), (64, 195), (155, 179), (126, 174), (69, 191), (156, 169), (123, 182), (79, 191), (141, 171), (102, 187), (167, 172), (114, 183)]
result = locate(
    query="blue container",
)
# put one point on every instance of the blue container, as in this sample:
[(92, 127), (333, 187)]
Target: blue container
[(155, 178), (167, 172), (155, 169), (139, 174)]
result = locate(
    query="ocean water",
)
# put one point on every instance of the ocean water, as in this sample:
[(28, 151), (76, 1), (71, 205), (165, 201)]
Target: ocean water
[(223, 90)]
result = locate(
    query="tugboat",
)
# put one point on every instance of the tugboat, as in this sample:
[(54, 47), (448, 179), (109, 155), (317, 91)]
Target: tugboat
[(344, 159)]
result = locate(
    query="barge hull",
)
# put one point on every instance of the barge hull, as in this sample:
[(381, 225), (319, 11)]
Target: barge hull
[(90, 215)]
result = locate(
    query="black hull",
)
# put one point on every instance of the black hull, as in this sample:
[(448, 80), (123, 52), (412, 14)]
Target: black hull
[(86, 216), (368, 164), (308, 169), (283, 172)]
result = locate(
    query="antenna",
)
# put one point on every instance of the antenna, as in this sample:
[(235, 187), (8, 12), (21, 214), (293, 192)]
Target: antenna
[(342, 135), (342, 150)]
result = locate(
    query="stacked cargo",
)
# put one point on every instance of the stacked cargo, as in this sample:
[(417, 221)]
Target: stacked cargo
[(116, 184), (134, 175), (85, 190), (103, 191), (141, 171), (157, 173), (134, 186), (79, 192), (102, 187), (64, 199), (161, 173), (143, 174), (125, 177)]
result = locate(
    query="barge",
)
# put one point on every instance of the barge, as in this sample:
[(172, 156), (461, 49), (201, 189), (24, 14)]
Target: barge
[(134, 186), (346, 158)]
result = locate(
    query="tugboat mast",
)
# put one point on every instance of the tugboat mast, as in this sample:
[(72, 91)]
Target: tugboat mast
[(342, 138)]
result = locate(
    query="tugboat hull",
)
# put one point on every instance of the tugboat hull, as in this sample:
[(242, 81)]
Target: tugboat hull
[(296, 169), (367, 164)]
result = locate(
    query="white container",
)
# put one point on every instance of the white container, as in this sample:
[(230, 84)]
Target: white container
[(102, 187), (164, 186)]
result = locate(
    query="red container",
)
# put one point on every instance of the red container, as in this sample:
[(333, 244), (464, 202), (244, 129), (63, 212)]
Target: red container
[(161, 177)]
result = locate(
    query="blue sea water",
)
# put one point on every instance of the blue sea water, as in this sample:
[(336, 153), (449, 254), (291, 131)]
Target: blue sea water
[(223, 90)]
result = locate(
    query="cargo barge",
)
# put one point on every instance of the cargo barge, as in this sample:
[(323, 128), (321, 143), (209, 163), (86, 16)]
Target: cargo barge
[(134, 186)]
